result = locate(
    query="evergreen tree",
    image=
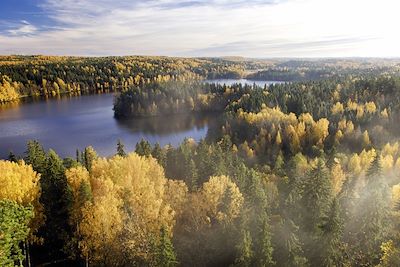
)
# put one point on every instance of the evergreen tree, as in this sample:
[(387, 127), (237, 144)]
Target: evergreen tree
[(263, 248), (120, 149), (245, 250), (328, 252), (12, 157), (373, 220), (56, 198), (143, 148), (89, 155), (35, 156), (159, 154), (165, 254), (315, 200)]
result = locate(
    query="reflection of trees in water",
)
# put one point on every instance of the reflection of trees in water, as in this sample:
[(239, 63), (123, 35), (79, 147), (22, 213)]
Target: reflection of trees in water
[(163, 125)]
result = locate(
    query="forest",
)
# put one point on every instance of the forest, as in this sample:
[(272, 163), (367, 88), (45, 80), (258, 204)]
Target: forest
[(302, 173), (48, 76)]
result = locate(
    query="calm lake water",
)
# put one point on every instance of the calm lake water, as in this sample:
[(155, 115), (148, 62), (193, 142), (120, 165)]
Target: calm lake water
[(71, 123)]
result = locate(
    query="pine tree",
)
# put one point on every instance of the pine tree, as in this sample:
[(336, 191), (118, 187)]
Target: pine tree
[(159, 154), (12, 157), (165, 254), (56, 198), (143, 148), (316, 196), (89, 155), (373, 220), (120, 149), (315, 200), (35, 156), (245, 250), (263, 248), (328, 253)]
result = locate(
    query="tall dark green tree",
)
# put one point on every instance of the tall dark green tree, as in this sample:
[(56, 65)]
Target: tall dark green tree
[(373, 216), (165, 254), (56, 198), (329, 244), (159, 154), (35, 156), (245, 250), (316, 199), (120, 149), (143, 148)]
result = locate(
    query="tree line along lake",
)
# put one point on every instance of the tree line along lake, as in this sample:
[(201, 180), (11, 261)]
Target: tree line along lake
[(68, 123)]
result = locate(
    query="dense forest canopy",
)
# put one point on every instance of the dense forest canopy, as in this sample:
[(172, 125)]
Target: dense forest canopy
[(22, 76), (304, 173)]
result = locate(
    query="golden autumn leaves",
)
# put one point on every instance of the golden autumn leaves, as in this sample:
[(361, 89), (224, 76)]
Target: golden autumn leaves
[(119, 207)]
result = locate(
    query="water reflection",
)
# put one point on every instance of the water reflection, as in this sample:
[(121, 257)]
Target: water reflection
[(71, 123), (166, 125)]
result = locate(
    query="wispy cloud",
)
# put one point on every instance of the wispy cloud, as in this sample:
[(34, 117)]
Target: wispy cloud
[(253, 28), (24, 28)]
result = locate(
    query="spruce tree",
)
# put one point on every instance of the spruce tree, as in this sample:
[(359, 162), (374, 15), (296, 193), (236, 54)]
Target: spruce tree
[(35, 156), (245, 250), (143, 148), (165, 254), (328, 252), (373, 220), (56, 198), (120, 149)]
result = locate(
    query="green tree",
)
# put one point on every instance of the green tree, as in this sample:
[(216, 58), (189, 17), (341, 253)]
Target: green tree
[(245, 250), (159, 154), (35, 156), (89, 155), (373, 220), (56, 198), (143, 148), (329, 253), (316, 199), (120, 149), (14, 230), (165, 254)]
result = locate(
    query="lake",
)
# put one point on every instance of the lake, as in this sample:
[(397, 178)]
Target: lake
[(74, 122), (71, 123)]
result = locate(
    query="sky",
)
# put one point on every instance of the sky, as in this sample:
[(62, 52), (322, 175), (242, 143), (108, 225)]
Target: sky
[(195, 28)]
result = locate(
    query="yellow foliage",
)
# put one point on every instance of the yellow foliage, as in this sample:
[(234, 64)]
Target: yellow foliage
[(384, 114), (386, 162), (351, 106), (338, 178), (337, 108), (365, 139), (321, 130), (395, 195), (20, 183), (75, 177), (389, 149), (354, 164), (370, 107), (102, 223), (360, 111), (222, 198)]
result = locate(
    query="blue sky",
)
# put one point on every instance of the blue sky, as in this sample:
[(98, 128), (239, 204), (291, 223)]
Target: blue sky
[(252, 28)]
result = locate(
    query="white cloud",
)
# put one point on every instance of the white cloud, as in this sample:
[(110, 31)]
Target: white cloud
[(212, 28), (25, 28)]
